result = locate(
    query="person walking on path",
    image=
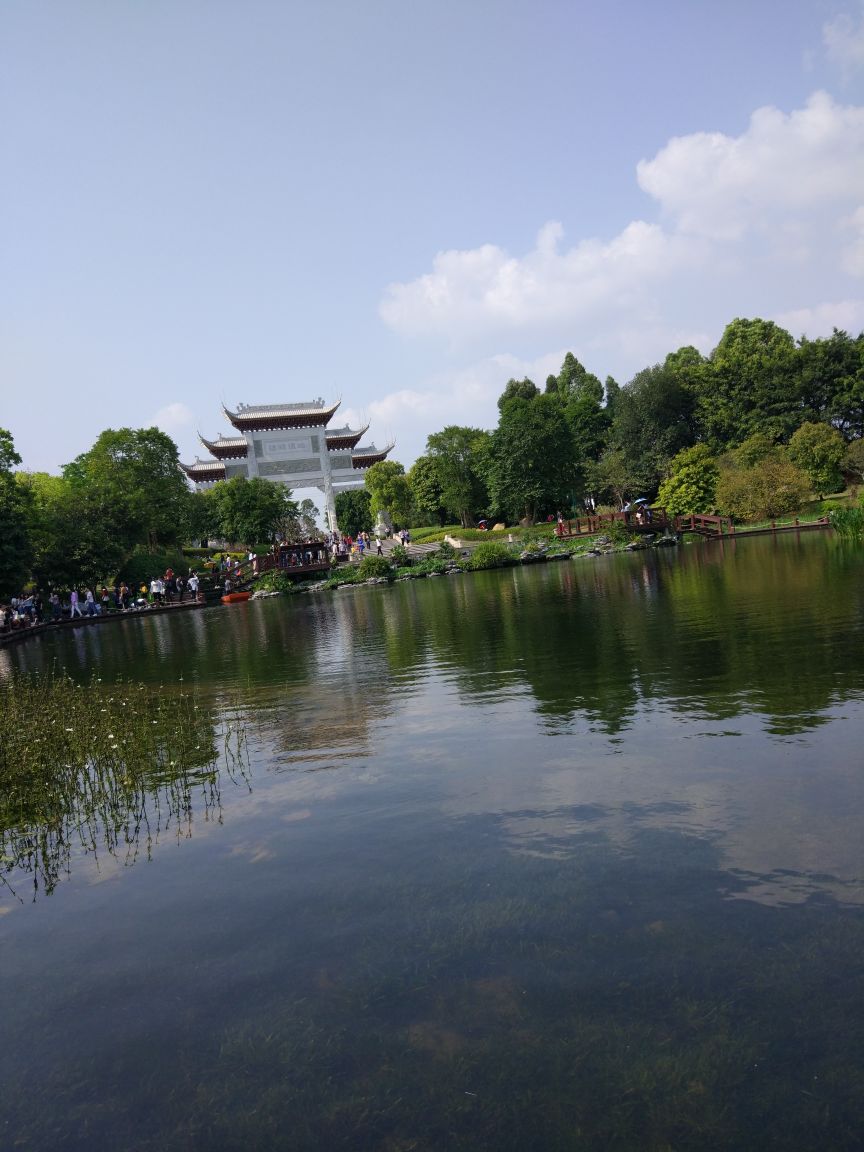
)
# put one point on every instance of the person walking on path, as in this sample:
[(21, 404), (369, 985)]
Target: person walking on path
[(74, 605)]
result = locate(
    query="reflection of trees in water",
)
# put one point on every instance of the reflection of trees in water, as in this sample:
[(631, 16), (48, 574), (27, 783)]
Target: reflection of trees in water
[(720, 629), (101, 768)]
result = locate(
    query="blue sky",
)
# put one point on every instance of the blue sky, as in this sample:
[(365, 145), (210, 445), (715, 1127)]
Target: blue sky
[(406, 203)]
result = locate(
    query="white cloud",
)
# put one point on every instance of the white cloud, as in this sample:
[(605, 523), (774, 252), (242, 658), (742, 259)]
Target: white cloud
[(486, 287), (781, 171), (750, 224), (843, 39), (821, 319), (173, 419), (853, 257)]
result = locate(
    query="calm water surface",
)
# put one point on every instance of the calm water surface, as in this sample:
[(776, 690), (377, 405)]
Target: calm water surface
[(567, 857)]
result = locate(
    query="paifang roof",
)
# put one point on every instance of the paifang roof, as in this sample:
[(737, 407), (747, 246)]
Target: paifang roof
[(369, 454), (204, 468), (226, 447), (259, 417), (345, 437)]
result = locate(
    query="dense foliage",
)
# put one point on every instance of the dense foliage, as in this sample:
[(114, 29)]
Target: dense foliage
[(748, 431), (673, 432)]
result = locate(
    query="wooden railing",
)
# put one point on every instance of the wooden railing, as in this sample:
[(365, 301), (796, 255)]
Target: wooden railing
[(705, 525), (634, 519)]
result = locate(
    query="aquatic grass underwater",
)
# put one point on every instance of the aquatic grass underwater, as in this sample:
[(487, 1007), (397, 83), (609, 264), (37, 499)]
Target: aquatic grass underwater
[(98, 767)]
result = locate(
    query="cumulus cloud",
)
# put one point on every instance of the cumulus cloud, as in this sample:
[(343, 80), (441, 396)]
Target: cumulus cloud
[(486, 286), (853, 256), (748, 221), (821, 319), (843, 39), (783, 167)]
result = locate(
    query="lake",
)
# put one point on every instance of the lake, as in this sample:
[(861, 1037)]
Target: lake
[(562, 857)]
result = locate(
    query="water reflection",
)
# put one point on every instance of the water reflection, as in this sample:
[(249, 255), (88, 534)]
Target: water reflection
[(544, 859), (103, 774)]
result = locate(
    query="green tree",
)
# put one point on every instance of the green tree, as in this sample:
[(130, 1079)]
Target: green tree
[(691, 485), (201, 518), (457, 453), (390, 491), (853, 461), (16, 550), (132, 480), (615, 475), (575, 382), (753, 384), (354, 511), (819, 451), (531, 462), (426, 492), (518, 390), (251, 511), (832, 381), (654, 420)]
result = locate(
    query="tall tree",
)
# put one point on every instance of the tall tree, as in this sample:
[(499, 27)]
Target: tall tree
[(654, 420), (389, 489), (531, 462), (354, 511), (132, 480), (832, 382), (251, 511), (426, 491), (575, 382), (457, 452), (15, 543), (753, 384), (517, 390)]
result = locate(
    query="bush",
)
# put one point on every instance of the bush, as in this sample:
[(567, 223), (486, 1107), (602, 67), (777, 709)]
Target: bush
[(490, 554), (374, 567), (399, 556), (773, 486), (145, 566), (276, 581)]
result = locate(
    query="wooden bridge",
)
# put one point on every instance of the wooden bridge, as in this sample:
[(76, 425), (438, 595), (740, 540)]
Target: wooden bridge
[(704, 525)]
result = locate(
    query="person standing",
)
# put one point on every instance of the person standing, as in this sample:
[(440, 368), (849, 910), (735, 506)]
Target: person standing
[(74, 605), (192, 584)]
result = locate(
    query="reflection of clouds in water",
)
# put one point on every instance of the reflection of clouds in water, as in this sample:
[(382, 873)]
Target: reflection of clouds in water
[(784, 817)]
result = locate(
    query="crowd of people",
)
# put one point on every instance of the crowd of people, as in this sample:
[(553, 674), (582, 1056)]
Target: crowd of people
[(31, 608)]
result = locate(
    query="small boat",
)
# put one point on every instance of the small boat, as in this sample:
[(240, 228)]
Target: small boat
[(235, 597)]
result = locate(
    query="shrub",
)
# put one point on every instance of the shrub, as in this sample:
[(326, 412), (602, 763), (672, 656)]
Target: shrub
[(692, 482), (490, 554), (374, 567), (143, 565), (399, 556), (773, 486), (276, 581)]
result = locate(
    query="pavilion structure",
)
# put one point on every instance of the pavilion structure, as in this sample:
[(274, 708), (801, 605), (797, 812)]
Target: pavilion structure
[(289, 444)]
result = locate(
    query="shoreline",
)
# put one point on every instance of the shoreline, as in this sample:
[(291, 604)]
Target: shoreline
[(20, 634)]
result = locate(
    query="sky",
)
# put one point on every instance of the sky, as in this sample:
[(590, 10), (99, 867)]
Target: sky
[(405, 203)]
